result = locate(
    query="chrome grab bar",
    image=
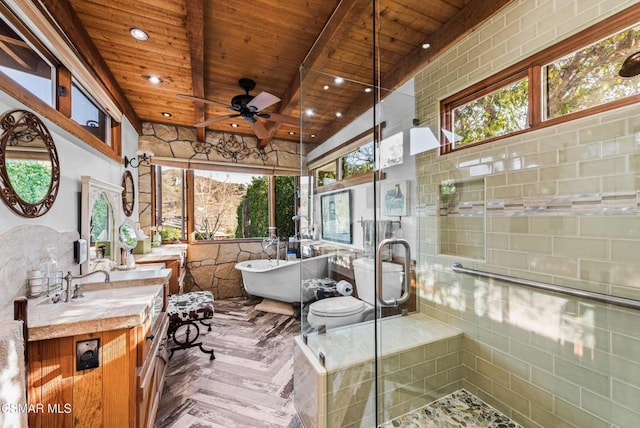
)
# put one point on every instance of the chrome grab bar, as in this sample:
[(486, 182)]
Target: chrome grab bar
[(406, 290), (574, 292)]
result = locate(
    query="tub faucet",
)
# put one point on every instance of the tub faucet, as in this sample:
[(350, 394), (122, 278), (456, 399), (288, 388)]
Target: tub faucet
[(77, 292), (270, 242)]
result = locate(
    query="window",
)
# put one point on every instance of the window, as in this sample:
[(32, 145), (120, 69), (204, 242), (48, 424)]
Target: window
[(589, 77), (25, 65), (225, 205), (359, 161), (327, 174), (569, 80), (500, 112), (88, 114), (355, 163)]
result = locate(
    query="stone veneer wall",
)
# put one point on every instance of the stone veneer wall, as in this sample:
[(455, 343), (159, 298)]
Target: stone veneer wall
[(209, 264), (24, 248), (561, 205)]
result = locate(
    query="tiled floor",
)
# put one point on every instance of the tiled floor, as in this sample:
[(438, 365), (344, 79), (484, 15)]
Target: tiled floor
[(249, 384), (459, 409)]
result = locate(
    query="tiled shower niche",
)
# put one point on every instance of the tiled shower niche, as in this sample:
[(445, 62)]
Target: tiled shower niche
[(461, 218)]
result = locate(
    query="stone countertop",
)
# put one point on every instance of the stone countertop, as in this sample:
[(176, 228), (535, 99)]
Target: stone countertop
[(111, 306), (164, 252)]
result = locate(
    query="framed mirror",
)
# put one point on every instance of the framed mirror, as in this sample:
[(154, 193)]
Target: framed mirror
[(29, 165), (100, 217), (128, 193)]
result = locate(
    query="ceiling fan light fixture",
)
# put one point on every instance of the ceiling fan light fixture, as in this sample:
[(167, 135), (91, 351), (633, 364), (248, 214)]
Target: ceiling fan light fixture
[(139, 34)]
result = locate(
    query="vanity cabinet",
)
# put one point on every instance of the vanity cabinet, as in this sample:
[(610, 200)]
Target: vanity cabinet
[(122, 391)]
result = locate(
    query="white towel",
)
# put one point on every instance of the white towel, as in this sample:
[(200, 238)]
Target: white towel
[(12, 376)]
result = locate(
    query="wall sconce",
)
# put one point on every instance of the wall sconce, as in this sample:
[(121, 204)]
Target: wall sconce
[(144, 159)]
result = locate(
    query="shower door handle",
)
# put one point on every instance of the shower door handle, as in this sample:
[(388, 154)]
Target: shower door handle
[(406, 290)]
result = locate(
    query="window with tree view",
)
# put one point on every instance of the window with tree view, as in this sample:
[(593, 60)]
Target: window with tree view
[(225, 205), (589, 77), (498, 113), (574, 78)]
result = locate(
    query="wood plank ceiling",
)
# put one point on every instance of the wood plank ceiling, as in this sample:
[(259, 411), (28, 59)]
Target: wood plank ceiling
[(202, 47)]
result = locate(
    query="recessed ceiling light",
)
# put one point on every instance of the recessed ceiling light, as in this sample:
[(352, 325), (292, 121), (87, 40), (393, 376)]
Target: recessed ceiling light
[(313, 135), (367, 90), (234, 125), (166, 114), (139, 34), (308, 112), (338, 80), (154, 79), (426, 45), (292, 133), (338, 114), (325, 87)]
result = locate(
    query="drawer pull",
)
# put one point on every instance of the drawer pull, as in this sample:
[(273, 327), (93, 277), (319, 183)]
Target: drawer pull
[(150, 337)]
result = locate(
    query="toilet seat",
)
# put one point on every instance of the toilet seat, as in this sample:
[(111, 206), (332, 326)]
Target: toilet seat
[(337, 312), (342, 306)]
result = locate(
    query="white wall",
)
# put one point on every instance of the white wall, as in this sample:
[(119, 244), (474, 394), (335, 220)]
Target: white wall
[(61, 224), (397, 111)]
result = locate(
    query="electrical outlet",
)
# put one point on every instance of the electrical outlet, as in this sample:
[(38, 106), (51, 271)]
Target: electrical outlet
[(87, 354)]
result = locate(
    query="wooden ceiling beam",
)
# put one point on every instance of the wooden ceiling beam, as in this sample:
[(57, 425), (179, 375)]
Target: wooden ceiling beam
[(465, 21), (195, 35), (334, 29), (67, 20)]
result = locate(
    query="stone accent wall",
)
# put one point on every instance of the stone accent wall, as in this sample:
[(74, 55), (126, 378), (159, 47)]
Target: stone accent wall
[(180, 143), (210, 266)]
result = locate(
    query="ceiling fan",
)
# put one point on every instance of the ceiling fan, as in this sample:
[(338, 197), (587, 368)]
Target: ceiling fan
[(247, 107)]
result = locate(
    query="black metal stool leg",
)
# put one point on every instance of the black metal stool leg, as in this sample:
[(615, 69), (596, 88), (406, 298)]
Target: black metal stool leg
[(188, 341)]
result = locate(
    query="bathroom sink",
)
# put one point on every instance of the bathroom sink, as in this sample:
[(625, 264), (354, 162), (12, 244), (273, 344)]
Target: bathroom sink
[(107, 308)]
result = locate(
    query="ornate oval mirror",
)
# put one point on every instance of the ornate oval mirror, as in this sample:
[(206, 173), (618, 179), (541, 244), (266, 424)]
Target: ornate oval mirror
[(128, 193), (29, 165)]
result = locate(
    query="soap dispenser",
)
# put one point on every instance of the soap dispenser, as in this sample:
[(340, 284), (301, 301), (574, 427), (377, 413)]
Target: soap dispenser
[(50, 269)]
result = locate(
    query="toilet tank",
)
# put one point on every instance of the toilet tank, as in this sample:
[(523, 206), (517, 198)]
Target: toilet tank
[(364, 272)]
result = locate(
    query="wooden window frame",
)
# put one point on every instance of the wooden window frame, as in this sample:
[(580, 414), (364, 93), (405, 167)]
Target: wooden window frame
[(532, 67), (60, 110)]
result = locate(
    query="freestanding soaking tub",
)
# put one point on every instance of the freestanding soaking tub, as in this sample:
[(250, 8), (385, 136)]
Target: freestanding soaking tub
[(281, 280)]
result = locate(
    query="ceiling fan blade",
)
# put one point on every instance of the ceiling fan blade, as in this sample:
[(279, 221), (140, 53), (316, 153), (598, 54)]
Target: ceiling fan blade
[(203, 100), (282, 118), (260, 131), (262, 101), (214, 120)]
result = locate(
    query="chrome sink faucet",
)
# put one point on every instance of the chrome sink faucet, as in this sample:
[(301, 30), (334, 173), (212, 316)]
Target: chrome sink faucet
[(77, 292)]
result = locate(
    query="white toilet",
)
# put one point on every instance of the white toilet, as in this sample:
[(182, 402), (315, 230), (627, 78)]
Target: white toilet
[(338, 311)]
